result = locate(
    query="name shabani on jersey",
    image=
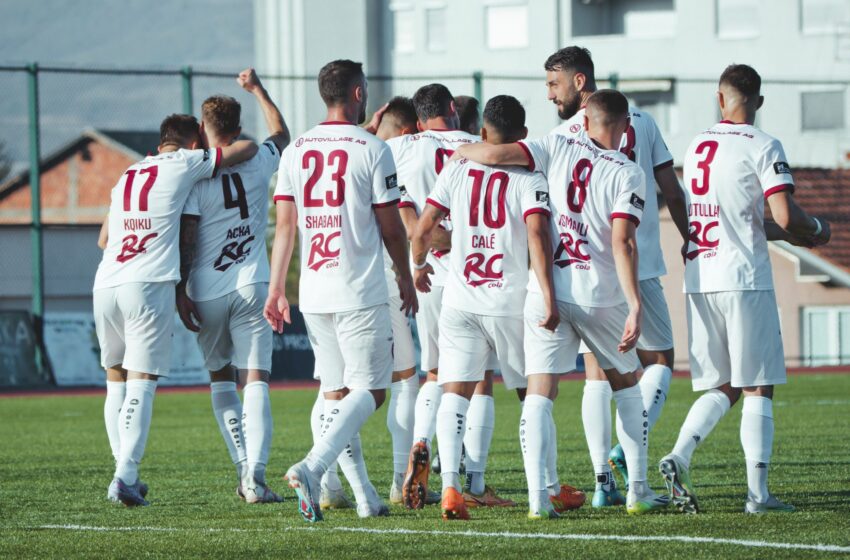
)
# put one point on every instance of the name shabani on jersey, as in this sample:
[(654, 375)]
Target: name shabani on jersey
[(729, 171), (642, 143), (419, 160), (589, 187), (233, 210), (336, 174), (488, 271), (144, 217)]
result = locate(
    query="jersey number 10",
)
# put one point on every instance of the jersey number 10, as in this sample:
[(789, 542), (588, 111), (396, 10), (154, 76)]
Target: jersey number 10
[(498, 181)]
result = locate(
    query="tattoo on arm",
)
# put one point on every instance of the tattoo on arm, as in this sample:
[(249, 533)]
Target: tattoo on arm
[(188, 245)]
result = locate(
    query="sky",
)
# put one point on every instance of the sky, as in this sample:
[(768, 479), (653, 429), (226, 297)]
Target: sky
[(154, 34)]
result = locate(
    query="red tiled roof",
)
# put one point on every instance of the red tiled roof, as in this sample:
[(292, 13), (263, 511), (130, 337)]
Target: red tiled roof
[(825, 193)]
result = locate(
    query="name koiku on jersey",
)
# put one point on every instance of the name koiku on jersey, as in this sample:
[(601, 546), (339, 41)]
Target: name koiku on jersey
[(136, 224)]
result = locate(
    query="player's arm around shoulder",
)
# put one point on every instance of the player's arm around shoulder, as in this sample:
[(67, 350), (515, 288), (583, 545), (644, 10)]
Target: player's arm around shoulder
[(495, 154)]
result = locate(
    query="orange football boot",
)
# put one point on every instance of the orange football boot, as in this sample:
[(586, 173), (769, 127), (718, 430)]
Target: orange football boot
[(569, 498), (454, 506)]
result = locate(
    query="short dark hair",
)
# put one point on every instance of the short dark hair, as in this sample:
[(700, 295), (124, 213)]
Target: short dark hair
[(432, 101), (222, 113), (575, 59), (402, 110), (178, 129), (506, 114), (337, 78), (467, 110), (610, 102), (743, 78)]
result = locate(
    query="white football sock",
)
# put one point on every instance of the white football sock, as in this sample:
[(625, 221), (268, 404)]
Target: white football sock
[(704, 415), (633, 433), (757, 441), (427, 403), (450, 431), (330, 480), (552, 482), (345, 419), (535, 439), (354, 468), (135, 426), (596, 417), (115, 393), (480, 421), (258, 426), (227, 409), (654, 386), (400, 417)]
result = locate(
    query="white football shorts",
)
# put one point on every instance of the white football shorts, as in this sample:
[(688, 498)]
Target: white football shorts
[(656, 331), (135, 324), (555, 352), (428, 327), (234, 331), (735, 337), (468, 342), (353, 349), (404, 354)]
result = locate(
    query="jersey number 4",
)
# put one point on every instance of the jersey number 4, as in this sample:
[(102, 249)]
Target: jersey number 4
[(240, 201)]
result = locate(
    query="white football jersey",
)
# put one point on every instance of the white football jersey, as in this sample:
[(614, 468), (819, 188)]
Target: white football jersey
[(643, 144), (144, 217), (488, 267), (337, 173), (419, 159), (729, 171), (234, 213), (588, 188)]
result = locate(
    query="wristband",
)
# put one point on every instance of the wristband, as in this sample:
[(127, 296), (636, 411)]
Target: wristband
[(420, 266), (819, 228)]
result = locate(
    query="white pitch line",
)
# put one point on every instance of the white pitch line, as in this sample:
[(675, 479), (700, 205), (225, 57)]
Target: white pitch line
[(504, 535)]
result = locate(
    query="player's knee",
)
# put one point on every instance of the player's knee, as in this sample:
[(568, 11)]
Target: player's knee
[(732, 393), (762, 391), (620, 381)]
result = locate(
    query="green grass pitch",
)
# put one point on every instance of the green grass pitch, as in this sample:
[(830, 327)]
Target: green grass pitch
[(55, 466)]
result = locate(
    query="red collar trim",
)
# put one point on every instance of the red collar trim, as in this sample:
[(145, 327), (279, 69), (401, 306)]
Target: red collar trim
[(727, 121), (338, 122), (444, 129)]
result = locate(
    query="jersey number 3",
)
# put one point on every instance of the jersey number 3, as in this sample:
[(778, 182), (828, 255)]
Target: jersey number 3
[(709, 149)]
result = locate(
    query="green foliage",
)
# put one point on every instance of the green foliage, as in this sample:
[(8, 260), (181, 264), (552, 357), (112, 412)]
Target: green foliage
[(56, 466)]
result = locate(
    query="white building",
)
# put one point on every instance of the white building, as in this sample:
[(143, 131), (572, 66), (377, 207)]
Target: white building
[(666, 54)]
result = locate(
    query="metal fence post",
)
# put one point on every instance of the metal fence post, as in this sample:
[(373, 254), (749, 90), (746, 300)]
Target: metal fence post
[(35, 205), (613, 80), (478, 89), (186, 75)]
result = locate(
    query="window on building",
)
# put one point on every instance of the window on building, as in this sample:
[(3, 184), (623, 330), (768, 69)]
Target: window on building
[(507, 26), (738, 19), (404, 30), (822, 110), (824, 16), (435, 28), (826, 336), (632, 18)]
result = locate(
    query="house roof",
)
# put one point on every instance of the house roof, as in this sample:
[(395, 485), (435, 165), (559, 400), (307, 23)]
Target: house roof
[(136, 144), (826, 193)]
